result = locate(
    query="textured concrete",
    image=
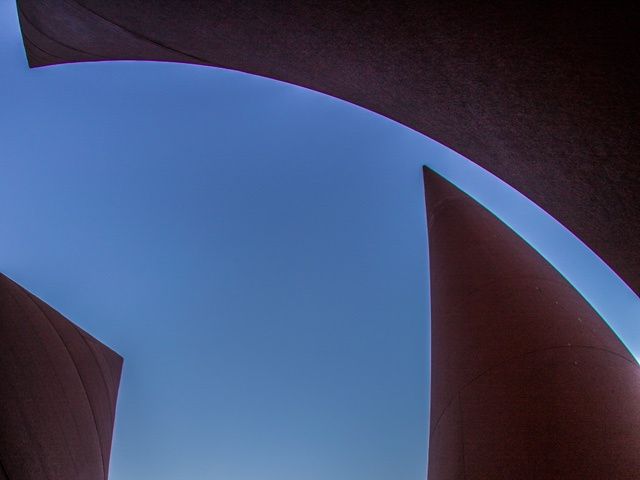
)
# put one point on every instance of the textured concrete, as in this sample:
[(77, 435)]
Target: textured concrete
[(57, 395), (528, 382), (543, 94)]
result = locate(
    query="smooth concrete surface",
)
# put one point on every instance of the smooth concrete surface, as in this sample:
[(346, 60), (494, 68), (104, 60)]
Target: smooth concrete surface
[(527, 381), (57, 395)]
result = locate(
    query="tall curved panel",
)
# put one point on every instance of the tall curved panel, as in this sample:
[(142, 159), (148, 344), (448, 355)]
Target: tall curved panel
[(528, 382), (57, 395), (542, 94)]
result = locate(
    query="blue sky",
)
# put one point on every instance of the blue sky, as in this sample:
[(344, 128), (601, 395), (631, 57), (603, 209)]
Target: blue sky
[(257, 253)]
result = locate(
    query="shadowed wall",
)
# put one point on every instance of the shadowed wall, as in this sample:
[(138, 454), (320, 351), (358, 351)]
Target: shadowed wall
[(542, 94), (57, 395), (527, 382)]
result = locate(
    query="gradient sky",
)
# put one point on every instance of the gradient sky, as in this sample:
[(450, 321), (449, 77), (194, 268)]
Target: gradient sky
[(257, 253)]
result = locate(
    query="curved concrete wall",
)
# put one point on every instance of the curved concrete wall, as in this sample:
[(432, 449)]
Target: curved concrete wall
[(57, 395), (543, 94), (528, 382)]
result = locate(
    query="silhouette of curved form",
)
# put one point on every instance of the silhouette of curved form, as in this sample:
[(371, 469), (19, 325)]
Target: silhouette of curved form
[(57, 395), (527, 380), (542, 94)]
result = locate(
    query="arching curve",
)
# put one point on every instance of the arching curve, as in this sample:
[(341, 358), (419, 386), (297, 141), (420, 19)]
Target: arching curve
[(543, 95)]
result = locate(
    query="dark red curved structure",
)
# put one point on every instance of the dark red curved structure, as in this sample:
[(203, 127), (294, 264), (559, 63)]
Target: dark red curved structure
[(543, 94), (57, 395), (528, 382)]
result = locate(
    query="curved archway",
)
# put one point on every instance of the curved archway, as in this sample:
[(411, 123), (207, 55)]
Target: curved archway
[(543, 96), (78, 51)]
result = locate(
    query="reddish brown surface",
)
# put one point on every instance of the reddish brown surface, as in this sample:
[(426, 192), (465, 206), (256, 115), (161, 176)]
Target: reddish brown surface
[(528, 382), (57, 395), (543, 94)]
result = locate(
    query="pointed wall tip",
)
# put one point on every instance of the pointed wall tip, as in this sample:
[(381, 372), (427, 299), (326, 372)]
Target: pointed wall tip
[(439, 191), (58, 392), (522, 367), (433, 179)]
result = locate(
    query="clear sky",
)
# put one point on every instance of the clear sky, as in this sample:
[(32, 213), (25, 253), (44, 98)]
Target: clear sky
[(257, 253)]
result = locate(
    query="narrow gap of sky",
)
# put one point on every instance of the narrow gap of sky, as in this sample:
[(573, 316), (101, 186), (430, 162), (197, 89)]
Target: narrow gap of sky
[(610, 296)]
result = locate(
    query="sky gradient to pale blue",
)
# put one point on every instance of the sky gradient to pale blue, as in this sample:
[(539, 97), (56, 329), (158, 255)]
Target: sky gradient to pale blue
[(256, 251)]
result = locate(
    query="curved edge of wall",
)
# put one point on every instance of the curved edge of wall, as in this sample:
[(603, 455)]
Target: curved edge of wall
[(57, 395), (527, 380)]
